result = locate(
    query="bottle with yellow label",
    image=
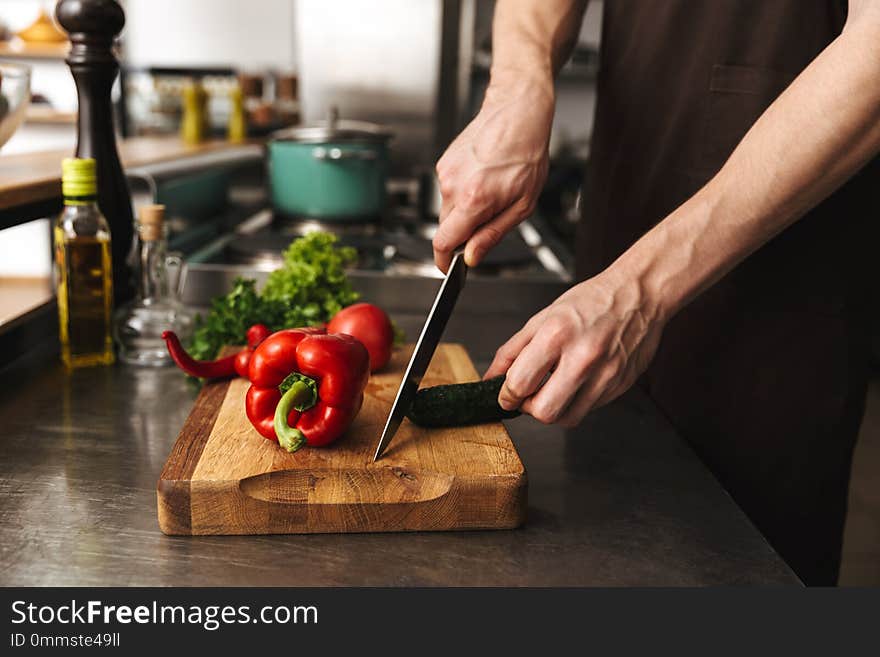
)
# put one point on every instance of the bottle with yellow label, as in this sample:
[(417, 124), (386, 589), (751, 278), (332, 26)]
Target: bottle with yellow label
[(192, 125), (84, 271), (236, 130)]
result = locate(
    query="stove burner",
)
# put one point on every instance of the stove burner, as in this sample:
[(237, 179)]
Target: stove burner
[(399, 243), (265, 247), (299, 226), (512, 251)]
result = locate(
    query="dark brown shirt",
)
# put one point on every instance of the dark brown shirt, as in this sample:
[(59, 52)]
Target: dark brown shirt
[(764, 373)]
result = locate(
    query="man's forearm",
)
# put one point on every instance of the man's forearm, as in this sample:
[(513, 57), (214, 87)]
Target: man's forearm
[(534, 38), (491, 175), (817, 134)]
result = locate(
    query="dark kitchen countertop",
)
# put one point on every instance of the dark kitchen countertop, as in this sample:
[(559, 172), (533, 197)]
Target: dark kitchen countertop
[(620, 501)]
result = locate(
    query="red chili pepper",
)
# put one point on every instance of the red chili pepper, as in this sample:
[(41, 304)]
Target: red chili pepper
[(306, 386), (204, 369), (222, 367)]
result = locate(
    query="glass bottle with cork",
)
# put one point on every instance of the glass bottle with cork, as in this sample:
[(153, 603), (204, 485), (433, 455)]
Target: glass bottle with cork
[(138, 325), (84, 271)]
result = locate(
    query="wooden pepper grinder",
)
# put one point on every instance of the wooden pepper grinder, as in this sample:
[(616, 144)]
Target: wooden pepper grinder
[(92, 26)]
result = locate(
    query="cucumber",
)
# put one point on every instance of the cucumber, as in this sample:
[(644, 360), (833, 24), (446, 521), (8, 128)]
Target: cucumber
[(459, 404)]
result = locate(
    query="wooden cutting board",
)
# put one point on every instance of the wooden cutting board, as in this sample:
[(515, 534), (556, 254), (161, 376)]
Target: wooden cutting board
[(222, 477)]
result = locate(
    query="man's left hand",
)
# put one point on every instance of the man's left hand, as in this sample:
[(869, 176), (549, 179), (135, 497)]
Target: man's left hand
[(594, 341)]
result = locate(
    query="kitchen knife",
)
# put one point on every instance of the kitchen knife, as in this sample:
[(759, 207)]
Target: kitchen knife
[(427, 343)]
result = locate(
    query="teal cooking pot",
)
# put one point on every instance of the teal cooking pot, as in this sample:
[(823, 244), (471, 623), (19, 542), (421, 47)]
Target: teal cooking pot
[(334, 171)]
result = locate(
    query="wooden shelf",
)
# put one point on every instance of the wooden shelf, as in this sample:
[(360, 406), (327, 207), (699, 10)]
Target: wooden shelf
[(42, 115), (18, 49), (22, 295), (35, 177)]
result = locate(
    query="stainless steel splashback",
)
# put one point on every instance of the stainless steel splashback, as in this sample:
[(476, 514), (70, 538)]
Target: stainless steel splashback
[(379, 61)]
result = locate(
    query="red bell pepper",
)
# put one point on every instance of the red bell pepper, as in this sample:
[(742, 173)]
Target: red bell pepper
[(306, 386)]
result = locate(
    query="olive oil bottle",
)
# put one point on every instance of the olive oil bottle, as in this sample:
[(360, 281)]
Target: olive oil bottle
[(84, 270)]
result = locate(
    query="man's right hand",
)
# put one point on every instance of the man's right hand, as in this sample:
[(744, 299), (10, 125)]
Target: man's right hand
[(491, 175)]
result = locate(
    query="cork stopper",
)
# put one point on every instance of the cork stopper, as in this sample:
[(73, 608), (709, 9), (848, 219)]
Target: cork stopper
[(151, 221)]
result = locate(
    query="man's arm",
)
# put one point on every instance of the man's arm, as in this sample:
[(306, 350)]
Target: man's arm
[(817, 134), (491, 175), (600, 335), (534, 37)]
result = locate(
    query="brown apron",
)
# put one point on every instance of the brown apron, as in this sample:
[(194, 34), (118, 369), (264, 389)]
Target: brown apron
[(765, 373)]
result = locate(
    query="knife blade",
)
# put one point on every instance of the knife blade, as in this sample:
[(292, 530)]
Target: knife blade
[(439, 314)]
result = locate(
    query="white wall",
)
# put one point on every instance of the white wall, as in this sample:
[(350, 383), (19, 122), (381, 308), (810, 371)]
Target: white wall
[(25, 250), (247, 34), (376, 61), (18, 14), (372, 51)]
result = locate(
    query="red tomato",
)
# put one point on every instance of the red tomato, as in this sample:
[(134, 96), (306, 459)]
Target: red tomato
[(370, 325), (256, 334)]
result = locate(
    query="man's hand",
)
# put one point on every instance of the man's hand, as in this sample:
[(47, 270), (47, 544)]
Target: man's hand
[(491, 175), (594, 341)]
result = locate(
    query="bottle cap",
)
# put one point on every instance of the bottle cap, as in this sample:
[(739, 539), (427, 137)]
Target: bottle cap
[(78, 177), (151, 219)]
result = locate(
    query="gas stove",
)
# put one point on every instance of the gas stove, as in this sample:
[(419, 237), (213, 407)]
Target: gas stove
[(395, 244)]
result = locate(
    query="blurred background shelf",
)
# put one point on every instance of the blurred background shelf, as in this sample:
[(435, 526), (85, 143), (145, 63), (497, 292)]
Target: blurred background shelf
[(18, 49), (23, 294), (36, 177), (45, 115)]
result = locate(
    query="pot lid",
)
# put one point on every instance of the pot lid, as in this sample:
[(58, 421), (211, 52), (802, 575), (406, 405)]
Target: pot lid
[(336, 130)]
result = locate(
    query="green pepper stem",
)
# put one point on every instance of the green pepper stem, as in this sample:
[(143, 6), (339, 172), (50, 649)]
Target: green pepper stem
[(291, 438)]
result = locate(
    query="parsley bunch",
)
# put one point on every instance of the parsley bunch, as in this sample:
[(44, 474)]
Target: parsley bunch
[(312, 285), (309, 288)]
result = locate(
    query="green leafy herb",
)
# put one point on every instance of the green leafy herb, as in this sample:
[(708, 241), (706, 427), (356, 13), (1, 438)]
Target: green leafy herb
[(399, 334), (308, 289), (312, 284), (230, 317)]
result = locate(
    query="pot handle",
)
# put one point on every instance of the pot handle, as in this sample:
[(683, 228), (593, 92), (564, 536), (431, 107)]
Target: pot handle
[(336, 153)]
